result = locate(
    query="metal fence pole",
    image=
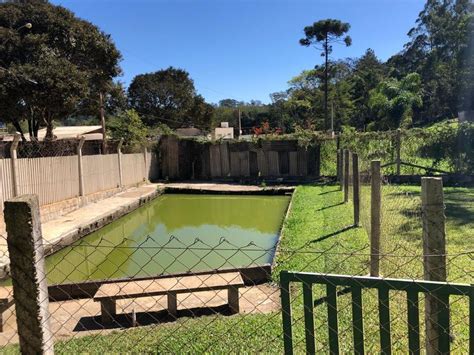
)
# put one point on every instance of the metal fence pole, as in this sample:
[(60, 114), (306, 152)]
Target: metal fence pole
[(346, 175), (14, 163), (81, 169), (434, 262), (30, 289), (375, 217), (119, 155), (356, 188)]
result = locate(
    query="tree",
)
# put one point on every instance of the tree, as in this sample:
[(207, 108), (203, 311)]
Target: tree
[(437, 51), (164, 96), (368, 72), (322, 35), (52, 69), (393, 101), (129, 126)]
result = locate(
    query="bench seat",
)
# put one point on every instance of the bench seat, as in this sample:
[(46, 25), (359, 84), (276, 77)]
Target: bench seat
[(108, 294)]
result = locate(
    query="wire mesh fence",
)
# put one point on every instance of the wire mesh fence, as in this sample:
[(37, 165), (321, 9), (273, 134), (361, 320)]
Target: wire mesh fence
[(141, 283)]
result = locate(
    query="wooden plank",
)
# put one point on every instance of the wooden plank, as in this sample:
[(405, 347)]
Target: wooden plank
[(244, 163), (215, 160), (293, 160), (262, 162), (234, 164), (273, 163), (284, 164), (225, 159), (302, 162), (184, 284), (253, 163)]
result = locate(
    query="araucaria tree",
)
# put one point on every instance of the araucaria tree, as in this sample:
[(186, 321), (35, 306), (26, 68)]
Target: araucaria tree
[(322, 35)]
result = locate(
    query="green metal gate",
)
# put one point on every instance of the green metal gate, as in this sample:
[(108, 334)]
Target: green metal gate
[(354, 285)]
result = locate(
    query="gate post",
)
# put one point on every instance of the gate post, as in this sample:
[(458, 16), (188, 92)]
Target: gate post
[(375, 217), (30, 289), (14, 162), (434, 262)]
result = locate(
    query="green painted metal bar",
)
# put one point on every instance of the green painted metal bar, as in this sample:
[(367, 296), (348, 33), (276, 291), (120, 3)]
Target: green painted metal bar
[(384, 317), (331, 293), (443, 324), (413, 322), (286, 314), (308, 317), (357, 320), (378, 282), (471, 321)]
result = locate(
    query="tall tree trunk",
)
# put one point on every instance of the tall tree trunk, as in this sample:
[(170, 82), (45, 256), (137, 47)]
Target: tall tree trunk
[(49, 128)]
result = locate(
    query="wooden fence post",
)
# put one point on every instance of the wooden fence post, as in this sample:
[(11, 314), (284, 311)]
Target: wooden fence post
[(30, 289), (375, 217), (339, 168), (81, 169), (434, 263), (14, 163), (119, 155), (346, 175), (399, 149), (356, 188)]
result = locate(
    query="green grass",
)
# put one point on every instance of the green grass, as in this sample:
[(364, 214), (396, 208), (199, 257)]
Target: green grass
[(318, 237)]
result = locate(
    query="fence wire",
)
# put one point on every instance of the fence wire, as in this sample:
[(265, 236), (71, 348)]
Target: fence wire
[(141, 274)]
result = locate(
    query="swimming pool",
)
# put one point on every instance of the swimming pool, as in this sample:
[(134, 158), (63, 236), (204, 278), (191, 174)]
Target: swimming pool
[(173, 234)]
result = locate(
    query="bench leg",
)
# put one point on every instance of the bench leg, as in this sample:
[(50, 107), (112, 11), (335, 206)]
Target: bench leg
[(108, 309), (233, 295), (173, 304)]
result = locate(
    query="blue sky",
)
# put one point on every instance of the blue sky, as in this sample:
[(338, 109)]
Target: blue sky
[(241, 49)]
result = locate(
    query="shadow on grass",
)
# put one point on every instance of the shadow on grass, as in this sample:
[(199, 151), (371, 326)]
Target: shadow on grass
[(147, 318), (333, 234), (327, 207), (329, 192)]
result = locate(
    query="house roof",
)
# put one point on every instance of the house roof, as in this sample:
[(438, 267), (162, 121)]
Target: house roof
[(69, 132)]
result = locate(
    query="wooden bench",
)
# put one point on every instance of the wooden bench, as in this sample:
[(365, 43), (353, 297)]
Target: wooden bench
[(6, 301), (108, 294)]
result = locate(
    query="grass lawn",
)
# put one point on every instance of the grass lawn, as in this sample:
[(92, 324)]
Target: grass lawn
[(317, 237)]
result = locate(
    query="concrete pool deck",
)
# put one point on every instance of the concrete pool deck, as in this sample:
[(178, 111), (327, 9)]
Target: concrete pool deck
[(66, 229)]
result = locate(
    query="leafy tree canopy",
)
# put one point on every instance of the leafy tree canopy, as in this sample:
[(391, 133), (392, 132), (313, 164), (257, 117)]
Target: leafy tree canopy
[(53, 69)]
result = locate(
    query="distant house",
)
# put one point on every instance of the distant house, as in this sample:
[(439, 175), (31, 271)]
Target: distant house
[(91, 133), (224, 131)]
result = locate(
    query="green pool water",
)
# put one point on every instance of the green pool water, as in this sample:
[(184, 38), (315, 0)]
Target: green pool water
[(176, 234)]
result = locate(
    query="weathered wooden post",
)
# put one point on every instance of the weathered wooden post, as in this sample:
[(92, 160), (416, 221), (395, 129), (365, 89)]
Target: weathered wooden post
[(375, 217), (81, 169), (30, 289), (346, 175), (399, 149), (14, 164), (434, 262), (339, 168), (356, 188), (145, 157), (119, 155)]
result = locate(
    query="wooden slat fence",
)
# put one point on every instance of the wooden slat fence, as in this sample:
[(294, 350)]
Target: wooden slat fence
[(56, 179)]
